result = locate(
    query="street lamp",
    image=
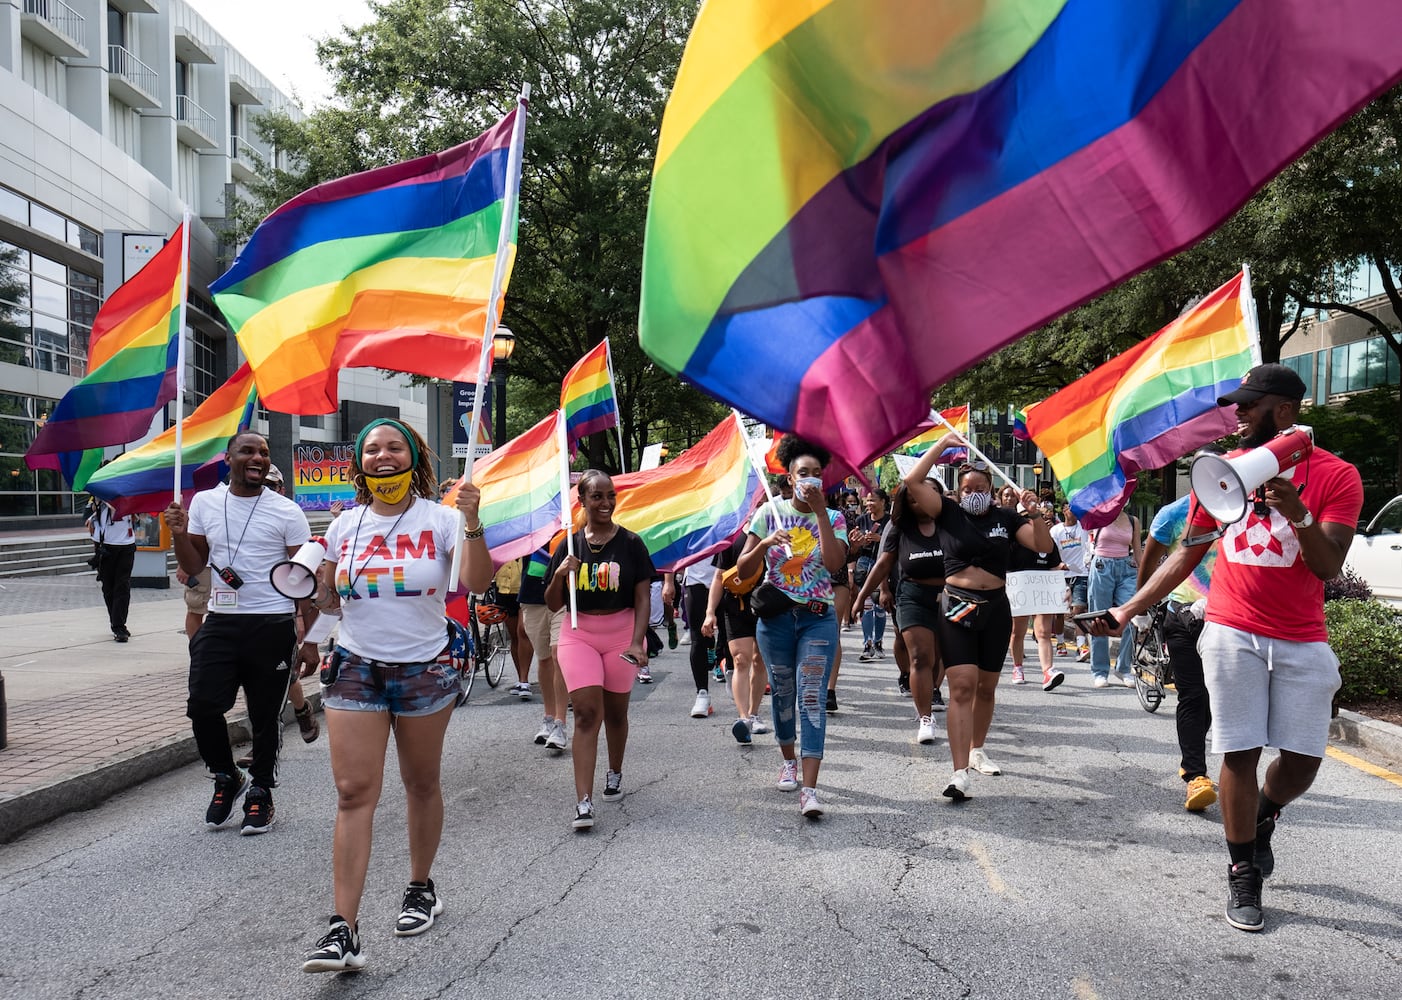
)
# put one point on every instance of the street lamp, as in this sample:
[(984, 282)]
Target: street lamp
[(503, 344), (662, 454), (1037, 475)]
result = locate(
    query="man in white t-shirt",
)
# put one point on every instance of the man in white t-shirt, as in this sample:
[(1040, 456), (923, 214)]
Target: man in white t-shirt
[(117, 554), (249, 638), (1072, 541)]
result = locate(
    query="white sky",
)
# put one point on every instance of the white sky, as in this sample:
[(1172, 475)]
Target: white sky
[(278, 36)]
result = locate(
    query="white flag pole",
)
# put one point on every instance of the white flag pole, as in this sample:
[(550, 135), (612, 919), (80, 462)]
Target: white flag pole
[(180, 348), (938, 417), (1248, 312), (759, 464), (489, 324), (618, 427), (565, 519)]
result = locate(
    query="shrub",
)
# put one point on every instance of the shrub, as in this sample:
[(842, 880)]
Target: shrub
[(1367, 639), (1348, 586)]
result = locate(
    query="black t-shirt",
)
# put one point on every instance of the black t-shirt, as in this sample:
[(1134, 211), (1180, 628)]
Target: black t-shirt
[(1021, 558), (867, 523), (607, 577), (921, 557), (891, 542), (985, 542), (533, 570)]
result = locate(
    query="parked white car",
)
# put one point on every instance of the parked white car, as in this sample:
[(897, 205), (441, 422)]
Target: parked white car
[(1376, 553)]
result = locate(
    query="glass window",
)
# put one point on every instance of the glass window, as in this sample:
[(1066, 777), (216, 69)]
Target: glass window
[(206, 361), (1303, 366), (47, 222), (116, 27), (50, 298), (12, 206), (46, 267)]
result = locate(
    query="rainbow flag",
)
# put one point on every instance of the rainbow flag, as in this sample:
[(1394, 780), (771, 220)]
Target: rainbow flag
[(958, 417), (390, 268), (849, 193), (520, 484), (1020, 425), (1151, 405), (141, 481), (132, 356), (693, 506), (587, 395)]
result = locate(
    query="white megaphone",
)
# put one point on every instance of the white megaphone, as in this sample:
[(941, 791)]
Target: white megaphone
[(295, 578), (1225, 486)]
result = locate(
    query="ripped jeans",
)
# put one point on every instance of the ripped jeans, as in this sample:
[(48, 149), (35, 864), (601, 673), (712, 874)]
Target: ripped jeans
[(798, 648)]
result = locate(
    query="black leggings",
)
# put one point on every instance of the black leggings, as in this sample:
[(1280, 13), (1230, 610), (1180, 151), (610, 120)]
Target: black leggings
[(986, 646), (1194, 713), (697, 596)]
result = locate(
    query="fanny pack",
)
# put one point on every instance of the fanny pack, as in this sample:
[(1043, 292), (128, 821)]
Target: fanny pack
[(735, 584), (965, 608), (768, 601)]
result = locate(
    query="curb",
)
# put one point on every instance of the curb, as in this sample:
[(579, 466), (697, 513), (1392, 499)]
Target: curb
[(1381, 738), (90, 789)]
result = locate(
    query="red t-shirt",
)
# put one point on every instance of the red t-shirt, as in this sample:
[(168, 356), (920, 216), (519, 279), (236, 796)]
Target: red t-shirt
[(1261, 583)]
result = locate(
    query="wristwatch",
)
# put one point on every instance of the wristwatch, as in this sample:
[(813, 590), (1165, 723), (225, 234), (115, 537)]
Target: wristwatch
[(1303, 522)]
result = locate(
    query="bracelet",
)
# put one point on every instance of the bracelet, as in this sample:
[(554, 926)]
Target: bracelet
[(476, 532)]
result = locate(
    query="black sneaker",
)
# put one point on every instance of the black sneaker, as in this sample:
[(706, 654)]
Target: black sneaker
[(1244, 897), (257, 811), (937, 702), (832, 700), (584, 814), (421, 905), (903, 685), (120, 635), (613, 786), (338, 950), (227, 789), (1265, 854)]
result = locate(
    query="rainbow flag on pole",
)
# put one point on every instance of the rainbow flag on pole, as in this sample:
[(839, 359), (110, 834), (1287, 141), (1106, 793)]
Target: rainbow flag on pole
[(587, 395), (849, 193), (131, 368), (520, 484), (391, 268), (140, 481), (693, 506), (958, 417), (1151, 405)]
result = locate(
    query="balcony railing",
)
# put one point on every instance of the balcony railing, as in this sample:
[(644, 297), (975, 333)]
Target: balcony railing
[(242, 150), (187, 112), (124, 63), (61, 18)]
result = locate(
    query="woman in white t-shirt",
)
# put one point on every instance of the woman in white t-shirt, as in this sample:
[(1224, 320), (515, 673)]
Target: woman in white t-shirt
[(387, 568)]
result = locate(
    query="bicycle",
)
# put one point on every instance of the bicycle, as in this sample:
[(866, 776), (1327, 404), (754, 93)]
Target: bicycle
[(491, 645), (1152, 672)]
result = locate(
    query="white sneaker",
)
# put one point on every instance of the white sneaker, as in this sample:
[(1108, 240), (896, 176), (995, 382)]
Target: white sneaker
[(1100, 682), (926, 732), (959, 787), (979, 761), (522, 691), (557, 739), (546, 728), (758, 726), (701, 708), (1126, 679), (685, 638), (808, 803), (788, 776)]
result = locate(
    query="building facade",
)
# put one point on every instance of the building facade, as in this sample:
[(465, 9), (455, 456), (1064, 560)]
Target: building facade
[(115, 117)]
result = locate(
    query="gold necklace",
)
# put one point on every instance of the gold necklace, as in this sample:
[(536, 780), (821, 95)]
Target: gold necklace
[(596, 549)]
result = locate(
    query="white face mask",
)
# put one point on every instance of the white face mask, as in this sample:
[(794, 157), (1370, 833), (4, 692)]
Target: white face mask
[(976, 504)]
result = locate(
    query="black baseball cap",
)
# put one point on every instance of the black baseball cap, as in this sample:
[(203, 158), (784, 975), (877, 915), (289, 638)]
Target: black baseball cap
[(1266, 380)]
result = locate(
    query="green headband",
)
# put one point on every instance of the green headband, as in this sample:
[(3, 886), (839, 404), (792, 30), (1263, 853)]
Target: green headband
[(386, 422)]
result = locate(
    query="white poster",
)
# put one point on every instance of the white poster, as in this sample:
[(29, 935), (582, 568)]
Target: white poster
[(1037, 592), (904, 463), (652, 457)]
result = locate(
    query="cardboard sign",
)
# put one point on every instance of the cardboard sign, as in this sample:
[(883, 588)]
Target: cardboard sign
[(1037, 592), (321, 474)]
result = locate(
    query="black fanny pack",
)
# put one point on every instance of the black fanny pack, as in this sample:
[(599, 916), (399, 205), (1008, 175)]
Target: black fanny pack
[(965, 608), (768, 601)]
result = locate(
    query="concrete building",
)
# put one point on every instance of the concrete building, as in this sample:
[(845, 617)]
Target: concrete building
[(116, 115)]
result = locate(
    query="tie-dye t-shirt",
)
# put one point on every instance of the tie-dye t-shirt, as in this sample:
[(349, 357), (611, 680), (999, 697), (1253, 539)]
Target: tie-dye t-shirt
[(1167, 529), (798, 569)]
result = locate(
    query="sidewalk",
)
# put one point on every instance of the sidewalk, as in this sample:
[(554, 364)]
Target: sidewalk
[(89, 717)]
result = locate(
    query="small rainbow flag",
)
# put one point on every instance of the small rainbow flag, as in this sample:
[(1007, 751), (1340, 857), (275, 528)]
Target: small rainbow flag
[(391, 268), (958, 417), (1020, 425), (132, 357), (850, 192), (1151, 405), (693, 506), (520, 484), (587, 395), (141, 481)]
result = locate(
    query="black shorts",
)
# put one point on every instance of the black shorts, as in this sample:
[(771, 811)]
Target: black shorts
[(739, 624), (839, 579), (510, 604), (985, 647), (918, 606)]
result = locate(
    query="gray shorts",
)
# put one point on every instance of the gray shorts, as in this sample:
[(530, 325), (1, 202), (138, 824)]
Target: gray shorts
[(1268, 692)]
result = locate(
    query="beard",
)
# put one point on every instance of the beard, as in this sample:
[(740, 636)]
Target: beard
[(1264, 431)]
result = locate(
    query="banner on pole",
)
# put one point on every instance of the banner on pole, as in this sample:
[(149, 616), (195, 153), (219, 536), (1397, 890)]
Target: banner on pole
[(464, 394)]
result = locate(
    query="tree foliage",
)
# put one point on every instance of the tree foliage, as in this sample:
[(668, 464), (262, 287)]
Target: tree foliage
[(424, 75)]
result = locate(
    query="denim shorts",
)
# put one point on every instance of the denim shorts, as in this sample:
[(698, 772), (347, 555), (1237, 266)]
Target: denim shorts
[(407, 689), (1080, 590)]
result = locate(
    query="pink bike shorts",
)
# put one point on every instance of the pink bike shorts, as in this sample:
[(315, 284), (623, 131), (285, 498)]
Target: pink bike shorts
[(592, 654)]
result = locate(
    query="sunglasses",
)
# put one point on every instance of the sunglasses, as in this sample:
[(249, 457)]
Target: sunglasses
[(974, 466)]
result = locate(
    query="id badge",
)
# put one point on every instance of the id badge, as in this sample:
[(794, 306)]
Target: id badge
[(226, 598)]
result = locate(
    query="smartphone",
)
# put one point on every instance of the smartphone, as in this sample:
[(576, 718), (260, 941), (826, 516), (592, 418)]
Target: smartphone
[(1085, 618), (630, 658)]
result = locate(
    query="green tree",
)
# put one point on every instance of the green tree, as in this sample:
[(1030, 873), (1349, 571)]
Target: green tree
[(424, 75)]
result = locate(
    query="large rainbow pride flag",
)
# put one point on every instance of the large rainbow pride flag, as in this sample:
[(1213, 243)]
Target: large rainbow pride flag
[(853, 201), (520, 484), (587, 395), (1150, 405), (390, 268), (132, 355), (142, 480), (693, 506)]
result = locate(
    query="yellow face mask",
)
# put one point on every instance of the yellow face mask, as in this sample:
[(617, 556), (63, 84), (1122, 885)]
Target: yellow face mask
[(390, 489)]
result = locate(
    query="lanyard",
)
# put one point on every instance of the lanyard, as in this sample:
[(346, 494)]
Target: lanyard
[(227, 534), (355, 545)]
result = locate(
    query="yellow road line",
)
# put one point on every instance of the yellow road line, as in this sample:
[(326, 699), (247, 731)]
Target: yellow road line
[(1367, 767), (985, 863)]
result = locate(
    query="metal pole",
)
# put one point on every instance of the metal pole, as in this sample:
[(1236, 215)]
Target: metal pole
[(499, 386)]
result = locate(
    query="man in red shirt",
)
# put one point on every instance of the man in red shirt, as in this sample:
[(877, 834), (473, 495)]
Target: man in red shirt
[(1270, 673)]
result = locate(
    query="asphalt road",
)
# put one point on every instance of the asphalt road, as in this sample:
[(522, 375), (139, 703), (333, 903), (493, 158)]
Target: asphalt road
[(1075, 874)]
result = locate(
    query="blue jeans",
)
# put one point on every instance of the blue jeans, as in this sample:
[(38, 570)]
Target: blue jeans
[(798, 648), (1111, 584), (874, 624)]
